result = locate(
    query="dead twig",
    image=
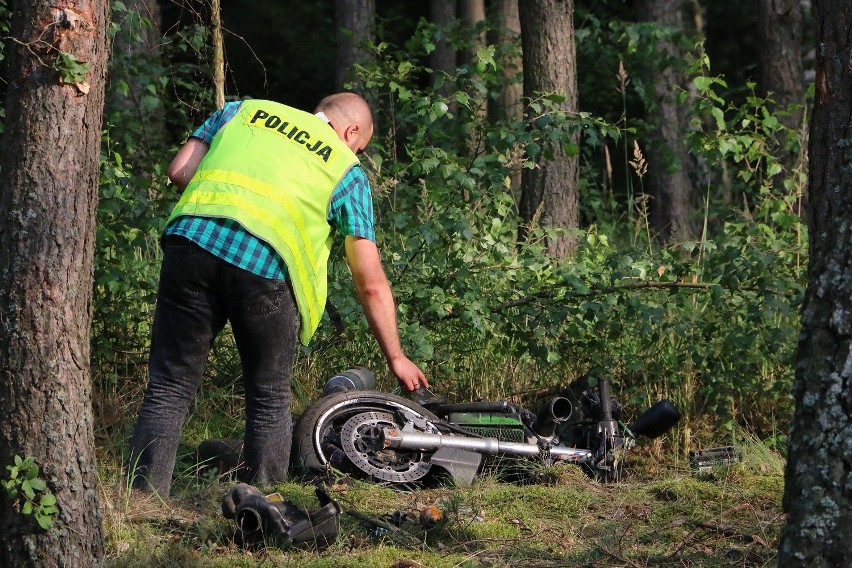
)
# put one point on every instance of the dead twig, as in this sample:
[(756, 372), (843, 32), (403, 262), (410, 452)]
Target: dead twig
[(615, 556), (729, 532)]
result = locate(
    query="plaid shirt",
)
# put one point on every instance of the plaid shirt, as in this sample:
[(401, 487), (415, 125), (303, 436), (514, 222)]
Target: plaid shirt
[(350, 212)]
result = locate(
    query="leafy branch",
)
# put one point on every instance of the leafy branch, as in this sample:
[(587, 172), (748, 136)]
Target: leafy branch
[(71, 70), (29, 492), (592, 291)]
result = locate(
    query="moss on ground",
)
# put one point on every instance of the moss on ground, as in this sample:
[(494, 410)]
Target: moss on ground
[(728, 518)]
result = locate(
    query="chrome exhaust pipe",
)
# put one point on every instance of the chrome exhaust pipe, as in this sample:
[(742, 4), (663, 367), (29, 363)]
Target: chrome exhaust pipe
[(397, 439), (551, 413)]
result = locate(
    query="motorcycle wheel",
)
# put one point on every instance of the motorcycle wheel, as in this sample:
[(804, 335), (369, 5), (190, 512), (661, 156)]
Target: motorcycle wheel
[(342, 431)]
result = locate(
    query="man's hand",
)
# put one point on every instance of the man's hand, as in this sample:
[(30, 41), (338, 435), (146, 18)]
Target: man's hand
[(408, 374), (376, 298)]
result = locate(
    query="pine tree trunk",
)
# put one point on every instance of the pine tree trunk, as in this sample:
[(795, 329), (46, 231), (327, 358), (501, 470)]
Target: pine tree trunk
[(508, 105), (817, 495), (780, 69), (139, 66), (442, 13), (508, 30), (48, 194), (549, 195), (779, 31), (358, 19), (218, 45), (472, 12), (673, 204)]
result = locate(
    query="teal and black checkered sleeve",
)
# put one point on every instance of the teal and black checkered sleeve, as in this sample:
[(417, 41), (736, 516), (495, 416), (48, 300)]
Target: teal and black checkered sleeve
[(351, 209)]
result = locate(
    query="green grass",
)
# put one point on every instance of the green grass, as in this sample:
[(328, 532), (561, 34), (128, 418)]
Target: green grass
[(661, 515), (667, 517)]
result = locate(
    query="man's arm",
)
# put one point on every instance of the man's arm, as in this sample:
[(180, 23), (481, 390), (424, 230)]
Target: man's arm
[(376, 298), (186, 161)]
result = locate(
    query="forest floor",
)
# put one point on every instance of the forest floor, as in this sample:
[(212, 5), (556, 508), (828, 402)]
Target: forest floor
[(662, 514)]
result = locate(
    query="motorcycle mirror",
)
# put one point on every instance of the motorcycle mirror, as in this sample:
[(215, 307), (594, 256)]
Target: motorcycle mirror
[(657, 420)]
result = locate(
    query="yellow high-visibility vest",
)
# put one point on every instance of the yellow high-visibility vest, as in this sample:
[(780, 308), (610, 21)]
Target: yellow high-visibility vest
[(273, 168)]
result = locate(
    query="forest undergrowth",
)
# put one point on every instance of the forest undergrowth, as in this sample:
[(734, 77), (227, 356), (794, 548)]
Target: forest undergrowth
[(708, 322), (662, 515)]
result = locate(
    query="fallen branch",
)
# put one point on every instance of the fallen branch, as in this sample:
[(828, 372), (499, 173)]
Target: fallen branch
[(549, 294), (729, 532), (394, 532), (614, 556)]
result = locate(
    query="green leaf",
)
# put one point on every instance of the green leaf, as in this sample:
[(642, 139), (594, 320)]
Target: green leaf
[(770, 123), (27, 488), (533, 149), (571, 149), (720, 118), (43, 521), (703, 83), (485, 59), (72, 71)]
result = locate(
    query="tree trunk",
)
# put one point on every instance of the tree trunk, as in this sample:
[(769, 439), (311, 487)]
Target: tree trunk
[(508, 105), (549, 195), (49, 174), (780, 68), (472, 12), (508, 25), (139, 66), (674, 199), (218, 53), (817, 497), (781, 75), (442, 60), (355, 21)]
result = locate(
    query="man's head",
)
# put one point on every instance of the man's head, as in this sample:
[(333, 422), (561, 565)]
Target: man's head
[(350, 117)]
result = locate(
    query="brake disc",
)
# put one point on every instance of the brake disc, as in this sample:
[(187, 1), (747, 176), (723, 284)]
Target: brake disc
[(361, 440)]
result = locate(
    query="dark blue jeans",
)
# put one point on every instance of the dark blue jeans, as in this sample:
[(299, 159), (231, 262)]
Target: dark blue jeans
[(198, 294)]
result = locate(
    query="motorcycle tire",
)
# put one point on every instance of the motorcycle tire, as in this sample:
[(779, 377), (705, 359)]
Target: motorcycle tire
[(318, 433)]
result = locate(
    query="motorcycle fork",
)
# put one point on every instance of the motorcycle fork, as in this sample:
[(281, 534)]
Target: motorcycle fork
[(608, 454)]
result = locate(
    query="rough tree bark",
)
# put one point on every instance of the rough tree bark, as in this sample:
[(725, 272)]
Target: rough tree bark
[(442, 60), (139, 66), (508, 104), (674, 198), (508, 25), (779, 31), (48, 195), (818, 477), (355, 21), (218, 53), (472, 14), (549, 194)]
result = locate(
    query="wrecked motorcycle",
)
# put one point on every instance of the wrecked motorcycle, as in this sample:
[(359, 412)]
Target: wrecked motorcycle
[(405, 442), (408, 443)]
